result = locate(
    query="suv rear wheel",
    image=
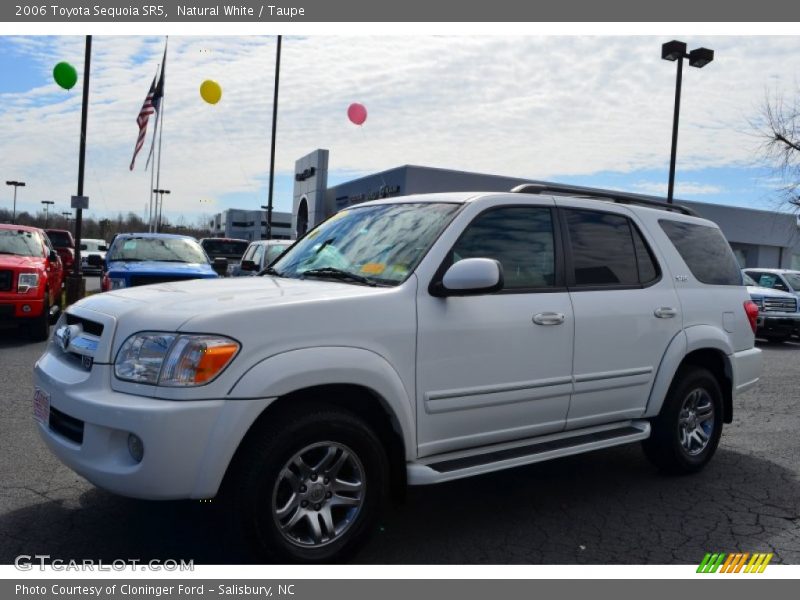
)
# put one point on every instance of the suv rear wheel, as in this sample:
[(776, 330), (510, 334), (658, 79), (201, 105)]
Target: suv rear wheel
[(686, 432), (309, 486)]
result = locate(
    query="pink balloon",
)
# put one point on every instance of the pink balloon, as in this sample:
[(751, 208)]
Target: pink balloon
[(357, 113)]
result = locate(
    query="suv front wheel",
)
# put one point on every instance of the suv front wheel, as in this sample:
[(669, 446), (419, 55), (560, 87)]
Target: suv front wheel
[(686, 432), (309, 486)]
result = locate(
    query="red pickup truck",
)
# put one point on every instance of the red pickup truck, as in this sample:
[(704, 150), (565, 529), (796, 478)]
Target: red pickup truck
[(31, 275)]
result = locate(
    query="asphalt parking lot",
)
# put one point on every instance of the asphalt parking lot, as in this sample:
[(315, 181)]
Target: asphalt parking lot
[(606, 507)]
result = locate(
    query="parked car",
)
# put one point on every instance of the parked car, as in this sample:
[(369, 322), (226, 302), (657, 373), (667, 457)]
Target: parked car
[(778, 316), (785, 280), (136, 259), (31, 275), (411, 340), (223, 252), (92, 247), (259, 255), (64, 244)]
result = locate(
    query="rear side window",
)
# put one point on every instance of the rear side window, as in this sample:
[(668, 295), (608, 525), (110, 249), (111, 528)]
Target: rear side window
[(705, 251), (607, 250)]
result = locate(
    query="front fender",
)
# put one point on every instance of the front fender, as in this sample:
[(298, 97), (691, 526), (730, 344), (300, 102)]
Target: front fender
[(295, 370)]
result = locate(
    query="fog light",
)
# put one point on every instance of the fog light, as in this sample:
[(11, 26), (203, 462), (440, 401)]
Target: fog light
[(135, 447), (26, 308)]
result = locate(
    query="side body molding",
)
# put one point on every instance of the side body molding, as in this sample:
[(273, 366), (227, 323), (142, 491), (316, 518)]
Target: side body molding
[(294, 370), (692, 338)]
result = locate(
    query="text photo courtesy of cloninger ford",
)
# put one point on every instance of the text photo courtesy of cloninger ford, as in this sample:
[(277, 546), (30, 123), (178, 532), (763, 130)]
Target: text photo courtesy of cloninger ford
[(399, 300)]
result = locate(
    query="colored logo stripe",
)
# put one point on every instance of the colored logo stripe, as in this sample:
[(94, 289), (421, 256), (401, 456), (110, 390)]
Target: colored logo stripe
[(735, 562)]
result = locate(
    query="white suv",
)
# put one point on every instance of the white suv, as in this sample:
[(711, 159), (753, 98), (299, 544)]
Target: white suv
[(406, 341)]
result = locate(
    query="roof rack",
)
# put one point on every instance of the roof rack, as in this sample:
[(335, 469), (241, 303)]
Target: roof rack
[(607, 195)]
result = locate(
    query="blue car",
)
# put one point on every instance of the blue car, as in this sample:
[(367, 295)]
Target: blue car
[(144, 258)]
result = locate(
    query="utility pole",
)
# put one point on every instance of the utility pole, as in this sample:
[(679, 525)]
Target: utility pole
[(160, 193)]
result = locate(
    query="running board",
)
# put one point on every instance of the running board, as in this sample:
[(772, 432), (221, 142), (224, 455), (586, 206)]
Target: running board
[(455, 465)]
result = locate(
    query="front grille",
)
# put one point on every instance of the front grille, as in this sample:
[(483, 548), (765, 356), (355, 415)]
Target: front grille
[(6, 281), (145, 280), (780, 304), (69, 427), (88, 326)]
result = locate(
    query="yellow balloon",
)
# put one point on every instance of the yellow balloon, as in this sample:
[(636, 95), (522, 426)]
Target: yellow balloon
[(210, 91)]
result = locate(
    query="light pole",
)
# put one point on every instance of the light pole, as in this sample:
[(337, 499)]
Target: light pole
[(160, 193), (699, 57), (267, 228), (47, 205), (16, 184), (66, 216), (272, 146)]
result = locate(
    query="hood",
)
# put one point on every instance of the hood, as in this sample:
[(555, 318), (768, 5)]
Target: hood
[(159, 268), (212, 297), (11, 261), (765, 292)]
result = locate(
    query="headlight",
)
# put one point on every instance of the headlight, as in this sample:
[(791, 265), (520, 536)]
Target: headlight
[(27, 281), (173, 360), (116, 283)]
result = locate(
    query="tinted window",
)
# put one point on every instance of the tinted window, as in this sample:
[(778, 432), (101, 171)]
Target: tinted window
[(521, 238), (648, 271), (60, 239), (705, 251), (602, 249), (224, 247)]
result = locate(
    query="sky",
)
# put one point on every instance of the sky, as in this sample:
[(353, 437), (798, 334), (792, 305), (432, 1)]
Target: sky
[(588, 110)]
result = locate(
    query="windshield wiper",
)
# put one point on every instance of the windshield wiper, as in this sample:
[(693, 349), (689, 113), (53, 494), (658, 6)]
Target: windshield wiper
[(335, 273), (270, 271), (125, 260)]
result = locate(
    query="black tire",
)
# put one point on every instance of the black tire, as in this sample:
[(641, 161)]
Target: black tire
[(664, 447), (39, 327), (258, 476)]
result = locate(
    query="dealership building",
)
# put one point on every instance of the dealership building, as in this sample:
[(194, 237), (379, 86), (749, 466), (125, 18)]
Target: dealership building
[(759, 238), (250, 225)]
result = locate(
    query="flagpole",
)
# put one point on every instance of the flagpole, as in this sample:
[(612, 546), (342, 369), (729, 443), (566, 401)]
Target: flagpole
[(160, 120), (152, 174)]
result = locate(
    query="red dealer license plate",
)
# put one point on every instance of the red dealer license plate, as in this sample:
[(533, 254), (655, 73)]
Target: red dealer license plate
[(41, 406)]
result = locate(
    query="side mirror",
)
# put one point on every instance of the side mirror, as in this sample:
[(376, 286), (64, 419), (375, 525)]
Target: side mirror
[(471, 276), (220, 265), (54, 256), (94, 260), (247, 265)]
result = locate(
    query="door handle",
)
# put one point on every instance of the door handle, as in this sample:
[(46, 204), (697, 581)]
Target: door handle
[(665, 312), (548, 318)]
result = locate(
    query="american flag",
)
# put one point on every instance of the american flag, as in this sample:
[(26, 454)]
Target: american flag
[(144, 116)]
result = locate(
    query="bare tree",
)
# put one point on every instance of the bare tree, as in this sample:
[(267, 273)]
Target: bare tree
[(779, 130)]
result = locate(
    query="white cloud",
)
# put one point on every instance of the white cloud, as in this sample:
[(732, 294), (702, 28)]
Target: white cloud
[(539, 107), (682, 188)]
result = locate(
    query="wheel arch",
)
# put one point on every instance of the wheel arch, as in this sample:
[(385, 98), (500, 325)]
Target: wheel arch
[(704, 347)]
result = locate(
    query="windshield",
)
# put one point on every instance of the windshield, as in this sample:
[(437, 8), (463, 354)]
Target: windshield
[(383, 243), (794, 280), (20, 243), (163, 249), (225, 247), (93, 245), (749, 280)]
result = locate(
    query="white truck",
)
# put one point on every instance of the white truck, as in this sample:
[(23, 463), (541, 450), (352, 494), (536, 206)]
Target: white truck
[(412, 340)]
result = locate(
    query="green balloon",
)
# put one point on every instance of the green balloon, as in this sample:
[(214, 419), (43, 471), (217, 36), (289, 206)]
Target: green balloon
[(65, 75)]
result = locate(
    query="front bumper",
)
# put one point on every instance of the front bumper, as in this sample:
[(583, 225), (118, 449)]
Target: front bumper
[(783, 324), (187, 444), (15, 308)]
